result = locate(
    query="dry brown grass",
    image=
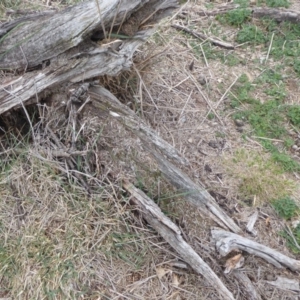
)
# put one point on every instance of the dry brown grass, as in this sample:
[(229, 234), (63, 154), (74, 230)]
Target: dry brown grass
[(60, 242)]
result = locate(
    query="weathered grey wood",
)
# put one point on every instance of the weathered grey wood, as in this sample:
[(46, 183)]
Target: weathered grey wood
[(29, 85), (286, 284), (278, 15), (252, 220), (64, 39), (172, 234), (32, 42), (106, 101), (8, 26), (194, 193), (227, 241), (246, 285)]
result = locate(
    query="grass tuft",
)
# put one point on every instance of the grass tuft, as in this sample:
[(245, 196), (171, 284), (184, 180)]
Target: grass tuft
[(258, 176), (285, 207)]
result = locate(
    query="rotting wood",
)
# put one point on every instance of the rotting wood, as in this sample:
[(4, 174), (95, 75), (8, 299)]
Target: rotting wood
[(251, 223), (62, 49), (246, 285), (172, 234), (7, 26), (286, 284), (36, 41), (278, 15), (194, 193), (227, 241), (106, 101)]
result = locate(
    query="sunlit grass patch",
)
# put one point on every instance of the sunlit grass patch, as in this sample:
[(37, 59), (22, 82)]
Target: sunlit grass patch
[(259, 178)]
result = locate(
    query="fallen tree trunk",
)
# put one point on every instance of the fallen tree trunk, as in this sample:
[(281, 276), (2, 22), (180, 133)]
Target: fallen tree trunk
[(195, 194), (227, 242), (34, 41), (246, 285), (59, 48), (171, 233), (278, 15)]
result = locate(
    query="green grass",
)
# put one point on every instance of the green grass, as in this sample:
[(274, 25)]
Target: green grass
[(235, 17), (242, 3), (268, 118), (258, 176), (250, 34), (277, 3), (269, 115), (55, 238), (292, 237), (285, 207)]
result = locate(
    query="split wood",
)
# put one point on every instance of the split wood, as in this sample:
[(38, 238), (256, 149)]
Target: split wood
[(57, 48), (195, 194), (171, 233), (227, 242)]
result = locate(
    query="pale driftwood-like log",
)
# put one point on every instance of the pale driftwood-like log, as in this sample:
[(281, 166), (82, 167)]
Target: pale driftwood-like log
[(278, 15), (8, 26), (286, 284), (194, 193), (62, 47), (34, 41), (246, 285), (251, 223), (172, 234), (106, 101), (227, 241), (30, 85)]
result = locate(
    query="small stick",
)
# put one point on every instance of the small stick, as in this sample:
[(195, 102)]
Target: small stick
[(206, 99), (202, 36), (268, 139), (226, 92), (185, 104), (270, 47), (142, 81)]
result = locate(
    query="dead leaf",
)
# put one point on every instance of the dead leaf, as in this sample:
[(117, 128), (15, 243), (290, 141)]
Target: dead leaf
[(161, 272), (234, 262), (267, 221)]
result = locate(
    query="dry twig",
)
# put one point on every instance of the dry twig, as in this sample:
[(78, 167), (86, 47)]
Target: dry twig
[(202, 36)]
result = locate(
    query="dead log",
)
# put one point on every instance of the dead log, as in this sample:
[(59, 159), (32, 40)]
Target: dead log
[(278, 15), (286, 284), (247, 287), (32, 42), (195, 194), (171, 233), (227, 241), (59, 48)]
